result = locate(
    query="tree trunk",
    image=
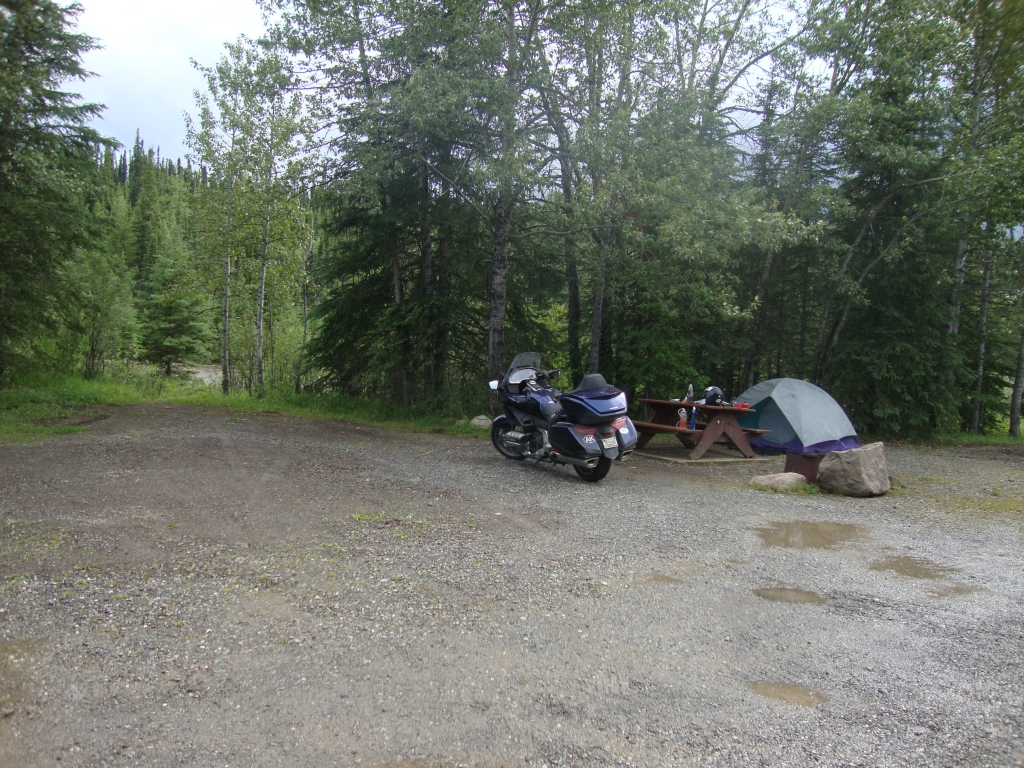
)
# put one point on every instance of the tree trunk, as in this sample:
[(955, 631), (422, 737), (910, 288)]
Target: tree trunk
[(573, 314), (754, 350), (426, 275), (94, 357), (261, 293), (572, 277), (444, 241), (977, 98), (958, 282), (567, 166), (761, 298), (439, 341), (426, 254), (225, 362), (305, 310), (501, 220), (305, 335), (801, 366), (986, 281), (1018, 389), (396, 276), (594, 361), (270, 338), (499, 279), (225, 378)]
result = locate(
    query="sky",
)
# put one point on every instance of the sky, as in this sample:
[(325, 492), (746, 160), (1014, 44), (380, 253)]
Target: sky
[(143, 74)]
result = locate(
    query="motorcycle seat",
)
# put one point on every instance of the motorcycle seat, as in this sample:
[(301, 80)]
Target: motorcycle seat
[(590, 382)]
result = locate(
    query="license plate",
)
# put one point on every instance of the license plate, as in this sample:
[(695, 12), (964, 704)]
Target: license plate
[(609, 442)]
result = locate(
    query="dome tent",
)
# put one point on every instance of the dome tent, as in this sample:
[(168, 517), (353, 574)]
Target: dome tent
[(802, 417)]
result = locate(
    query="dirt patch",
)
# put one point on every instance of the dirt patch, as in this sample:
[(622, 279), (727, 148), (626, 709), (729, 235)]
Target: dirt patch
[(178, 586), (77, 417)]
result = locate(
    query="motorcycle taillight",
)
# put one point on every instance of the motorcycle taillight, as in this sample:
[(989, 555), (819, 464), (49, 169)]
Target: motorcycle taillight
[(619, 423), (584, 430)]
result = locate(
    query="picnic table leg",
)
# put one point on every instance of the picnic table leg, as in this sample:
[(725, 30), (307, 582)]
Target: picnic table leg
[(738, 437), (714, 430), (642, 439)]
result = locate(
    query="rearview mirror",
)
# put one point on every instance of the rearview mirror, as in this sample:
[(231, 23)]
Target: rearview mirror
[(494, 384)]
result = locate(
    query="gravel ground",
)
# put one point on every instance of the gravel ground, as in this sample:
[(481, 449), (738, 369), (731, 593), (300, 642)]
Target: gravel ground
[(184, 587)]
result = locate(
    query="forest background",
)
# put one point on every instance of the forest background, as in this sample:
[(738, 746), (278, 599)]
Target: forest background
[(387, 200)]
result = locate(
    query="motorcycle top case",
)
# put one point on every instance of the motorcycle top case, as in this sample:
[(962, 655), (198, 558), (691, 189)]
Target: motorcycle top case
[(596, 406)]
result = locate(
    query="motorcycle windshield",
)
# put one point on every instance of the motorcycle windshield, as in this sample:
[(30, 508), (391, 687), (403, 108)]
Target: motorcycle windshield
[(524, 360)]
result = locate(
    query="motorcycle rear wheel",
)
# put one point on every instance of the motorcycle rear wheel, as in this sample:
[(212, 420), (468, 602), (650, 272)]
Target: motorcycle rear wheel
[(497, 431), (597, 473)]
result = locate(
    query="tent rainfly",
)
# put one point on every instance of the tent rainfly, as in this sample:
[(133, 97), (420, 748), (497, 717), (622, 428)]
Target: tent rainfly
[(802, 417)]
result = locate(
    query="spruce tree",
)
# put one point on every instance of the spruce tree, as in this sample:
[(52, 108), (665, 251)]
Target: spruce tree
[(174, 328), (46, 154)]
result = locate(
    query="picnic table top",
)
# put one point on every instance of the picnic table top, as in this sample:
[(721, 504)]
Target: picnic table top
[(698, 406)]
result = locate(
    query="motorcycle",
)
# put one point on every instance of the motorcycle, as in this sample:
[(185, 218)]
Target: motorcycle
[(587, 427)]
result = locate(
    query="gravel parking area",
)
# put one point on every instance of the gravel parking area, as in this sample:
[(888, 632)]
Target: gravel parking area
[(181, 586)]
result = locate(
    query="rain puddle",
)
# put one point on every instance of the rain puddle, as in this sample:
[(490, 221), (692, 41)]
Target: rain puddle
[(15, 658), (954, 590), (790, 596), (791, 694), (802, 534), (661, 578), (914, 567)]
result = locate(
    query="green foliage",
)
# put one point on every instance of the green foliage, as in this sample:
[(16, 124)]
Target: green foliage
[(36, 407), (106, 312), (45, 152), (173, 326)]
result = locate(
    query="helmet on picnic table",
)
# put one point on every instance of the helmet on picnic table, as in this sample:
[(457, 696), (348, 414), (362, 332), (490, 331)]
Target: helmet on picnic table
[(714, 396)]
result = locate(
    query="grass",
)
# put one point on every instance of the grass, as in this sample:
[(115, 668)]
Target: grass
[(36, 408), (1001, 437)]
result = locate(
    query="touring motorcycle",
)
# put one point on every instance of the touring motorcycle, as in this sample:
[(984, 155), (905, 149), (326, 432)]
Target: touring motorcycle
[(587, 427)]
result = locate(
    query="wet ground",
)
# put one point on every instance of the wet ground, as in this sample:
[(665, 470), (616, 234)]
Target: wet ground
[(189, 587)]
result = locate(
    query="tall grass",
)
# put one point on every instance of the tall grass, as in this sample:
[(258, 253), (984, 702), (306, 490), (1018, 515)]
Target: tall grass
[(35, 407)]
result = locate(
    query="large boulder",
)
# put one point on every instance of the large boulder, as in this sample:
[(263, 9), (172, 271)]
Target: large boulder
[(857, 472), (783, 481)]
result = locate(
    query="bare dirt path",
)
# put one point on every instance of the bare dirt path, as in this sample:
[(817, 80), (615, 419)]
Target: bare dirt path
[(184, 587)]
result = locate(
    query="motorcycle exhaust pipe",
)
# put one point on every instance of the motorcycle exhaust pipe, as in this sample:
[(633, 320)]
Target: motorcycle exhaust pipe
[(587, 463)]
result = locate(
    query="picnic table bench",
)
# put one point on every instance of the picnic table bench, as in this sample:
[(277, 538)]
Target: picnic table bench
[(719, 425)]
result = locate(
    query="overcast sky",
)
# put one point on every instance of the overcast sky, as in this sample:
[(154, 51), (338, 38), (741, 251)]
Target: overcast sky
[(143, 74)]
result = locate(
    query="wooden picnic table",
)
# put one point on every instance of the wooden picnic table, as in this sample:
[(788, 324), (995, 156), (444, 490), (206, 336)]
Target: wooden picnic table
[(719, 425)]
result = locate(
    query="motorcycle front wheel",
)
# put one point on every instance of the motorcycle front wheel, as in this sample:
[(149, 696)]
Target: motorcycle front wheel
[(497, 431), (597, 473)]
